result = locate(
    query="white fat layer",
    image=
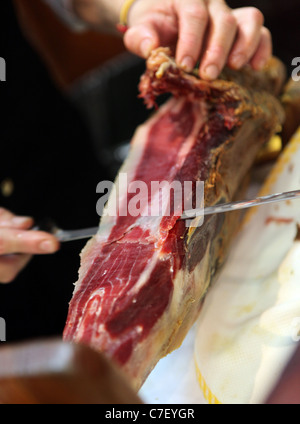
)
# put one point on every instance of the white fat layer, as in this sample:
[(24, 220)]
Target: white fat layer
[(129, 167), (91, 250)]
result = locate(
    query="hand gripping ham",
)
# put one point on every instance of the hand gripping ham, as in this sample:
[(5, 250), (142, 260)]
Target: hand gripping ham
[(142, 279)]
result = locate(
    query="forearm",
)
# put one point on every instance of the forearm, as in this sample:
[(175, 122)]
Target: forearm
[(102, 14)]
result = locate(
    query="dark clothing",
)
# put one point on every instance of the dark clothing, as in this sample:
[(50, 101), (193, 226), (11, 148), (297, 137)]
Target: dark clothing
[(46, 153), (54, 151)]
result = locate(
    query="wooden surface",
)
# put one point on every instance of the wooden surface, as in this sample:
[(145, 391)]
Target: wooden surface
[(54, 372)]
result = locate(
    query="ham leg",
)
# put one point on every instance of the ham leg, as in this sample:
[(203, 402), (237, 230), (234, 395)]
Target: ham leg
[(143, 278)]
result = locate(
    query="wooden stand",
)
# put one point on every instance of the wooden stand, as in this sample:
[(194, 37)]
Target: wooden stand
[(54, 372)]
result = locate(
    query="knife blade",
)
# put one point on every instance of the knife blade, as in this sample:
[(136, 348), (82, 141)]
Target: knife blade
[(242, 204), (71, 235)]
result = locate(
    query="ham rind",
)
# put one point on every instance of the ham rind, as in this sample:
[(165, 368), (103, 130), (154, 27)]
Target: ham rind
[(143, 278)]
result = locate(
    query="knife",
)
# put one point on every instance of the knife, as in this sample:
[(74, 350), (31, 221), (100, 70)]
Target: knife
[(242, 204), (71, 235)]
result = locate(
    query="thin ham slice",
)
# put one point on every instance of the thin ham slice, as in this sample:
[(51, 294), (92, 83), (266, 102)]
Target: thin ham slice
[(142, 279)]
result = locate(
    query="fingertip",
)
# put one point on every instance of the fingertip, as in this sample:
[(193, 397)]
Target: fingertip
[(193, 21), (49, 245), (263, 52), (258, 64), (141, 40), (11, 265), (8, 276), (146, 47), (237, 60), (187, 64), (209, 72)]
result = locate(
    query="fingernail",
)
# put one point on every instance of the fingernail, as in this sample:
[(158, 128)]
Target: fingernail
[(212, 72), (187, 64), (20, 220), (146, 47), (237, 60), (260, 64), (48, 246)]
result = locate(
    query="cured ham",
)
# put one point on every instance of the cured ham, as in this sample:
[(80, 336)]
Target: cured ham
[(143, 278)]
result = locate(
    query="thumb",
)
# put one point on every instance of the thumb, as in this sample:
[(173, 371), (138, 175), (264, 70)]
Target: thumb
[(141, 39)]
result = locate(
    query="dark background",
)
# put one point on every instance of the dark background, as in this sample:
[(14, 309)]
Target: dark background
[(45, 151), (55, 151), (56, 146)]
